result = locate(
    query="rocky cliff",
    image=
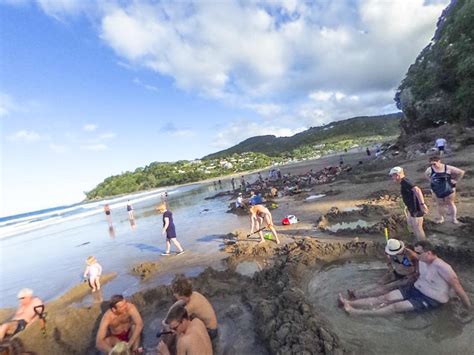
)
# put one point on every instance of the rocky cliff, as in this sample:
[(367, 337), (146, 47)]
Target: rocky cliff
[(439, 86)]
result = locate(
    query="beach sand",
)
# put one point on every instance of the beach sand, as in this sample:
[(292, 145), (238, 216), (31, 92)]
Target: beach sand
[(269, 312)]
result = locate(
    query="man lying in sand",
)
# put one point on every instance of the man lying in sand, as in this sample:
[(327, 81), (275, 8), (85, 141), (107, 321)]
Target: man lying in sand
[(430, 291), (122, 322), (192, 334), (196, 304), (24, 315), (402, 271), (258, 215)]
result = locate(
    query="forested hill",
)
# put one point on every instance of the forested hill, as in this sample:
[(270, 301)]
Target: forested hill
[(439, 86), (355, 129)]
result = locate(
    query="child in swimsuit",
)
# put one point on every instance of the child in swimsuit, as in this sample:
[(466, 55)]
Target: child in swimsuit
[(94, 270)]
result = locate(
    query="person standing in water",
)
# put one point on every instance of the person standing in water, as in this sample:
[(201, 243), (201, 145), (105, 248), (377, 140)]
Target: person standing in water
[(107, 215), (130, 210), (169, 229)]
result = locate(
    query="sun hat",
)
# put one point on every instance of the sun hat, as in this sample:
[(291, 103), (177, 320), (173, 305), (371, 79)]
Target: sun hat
[(395, 170), (394, 246), (91, 260), (25, 292)]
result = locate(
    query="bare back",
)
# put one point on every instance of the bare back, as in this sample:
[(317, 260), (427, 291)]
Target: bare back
[(195, 341), (199, 307)]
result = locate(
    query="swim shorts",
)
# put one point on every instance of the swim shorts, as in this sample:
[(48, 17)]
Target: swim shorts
[(124, 336), (418, 300), (20, 326), (441, 148), (107, 212), (213, 333)]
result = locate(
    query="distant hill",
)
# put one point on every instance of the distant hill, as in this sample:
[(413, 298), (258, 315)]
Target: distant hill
[(352, 129)]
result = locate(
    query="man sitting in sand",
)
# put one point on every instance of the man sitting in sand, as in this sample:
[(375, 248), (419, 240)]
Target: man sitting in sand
[(28, 311), (259, 214), (191, 334), (122, 322), (196, 304), (402, 271), (431, 290)]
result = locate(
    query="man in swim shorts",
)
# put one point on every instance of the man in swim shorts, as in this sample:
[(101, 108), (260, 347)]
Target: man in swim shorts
[(259, 214), (431, 290), (24, 315), (122, 322)]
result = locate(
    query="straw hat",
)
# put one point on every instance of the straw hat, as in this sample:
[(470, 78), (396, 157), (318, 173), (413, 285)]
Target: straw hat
[(394, 246), (91, 260)]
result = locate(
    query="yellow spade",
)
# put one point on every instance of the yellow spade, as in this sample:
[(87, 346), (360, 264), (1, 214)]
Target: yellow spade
[(386, 233)]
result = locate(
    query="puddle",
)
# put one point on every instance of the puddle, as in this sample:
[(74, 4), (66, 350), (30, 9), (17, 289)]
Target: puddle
[(248, 268), (437, 332), (314, 197), (350, 225), (351, 209)]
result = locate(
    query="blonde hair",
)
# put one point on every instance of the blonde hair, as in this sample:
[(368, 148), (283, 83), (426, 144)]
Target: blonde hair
[(121, 348), (161, 207), (91, 260)]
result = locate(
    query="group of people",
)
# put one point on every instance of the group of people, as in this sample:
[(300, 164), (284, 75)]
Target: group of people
[(443, 179), (417, 280), (190, 326)]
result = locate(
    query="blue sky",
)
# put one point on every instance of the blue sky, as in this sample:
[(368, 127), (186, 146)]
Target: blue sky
[(89, 89)]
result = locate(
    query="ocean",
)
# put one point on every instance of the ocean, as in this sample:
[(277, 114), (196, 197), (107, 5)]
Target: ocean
[(46, 250)]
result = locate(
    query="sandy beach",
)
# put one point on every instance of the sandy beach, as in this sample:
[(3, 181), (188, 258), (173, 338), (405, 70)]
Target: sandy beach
[(266, 295)]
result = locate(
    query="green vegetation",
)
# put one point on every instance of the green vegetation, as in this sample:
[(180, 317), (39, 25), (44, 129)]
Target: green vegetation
[(439, 86), (254, 153)]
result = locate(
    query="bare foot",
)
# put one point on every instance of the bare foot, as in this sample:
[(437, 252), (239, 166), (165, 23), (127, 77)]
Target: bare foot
[(455, 221), (341, 302), (262, 241), (439, 220), (351, 294), (348, 308), (278, 241)]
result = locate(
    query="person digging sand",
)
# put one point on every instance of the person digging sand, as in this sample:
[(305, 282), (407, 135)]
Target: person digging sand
[(259, 215)]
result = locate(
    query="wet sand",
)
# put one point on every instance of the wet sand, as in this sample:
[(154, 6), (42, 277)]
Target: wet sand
[(271, 312)]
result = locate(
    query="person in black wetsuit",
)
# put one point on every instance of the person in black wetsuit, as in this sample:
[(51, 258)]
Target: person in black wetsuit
[(414, 201)]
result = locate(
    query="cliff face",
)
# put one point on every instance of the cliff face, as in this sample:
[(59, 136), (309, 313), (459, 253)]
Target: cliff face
[(439, 86)]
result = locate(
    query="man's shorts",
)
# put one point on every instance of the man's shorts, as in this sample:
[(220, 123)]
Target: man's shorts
[(418, 300), (441, 148)]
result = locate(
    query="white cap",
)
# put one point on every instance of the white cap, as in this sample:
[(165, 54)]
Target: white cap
[(25, 292), (395, 170)]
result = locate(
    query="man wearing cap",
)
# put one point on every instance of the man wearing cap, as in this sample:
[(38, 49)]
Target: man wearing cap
[(402, 266), (25, 314), (431, 290), (414, 202)]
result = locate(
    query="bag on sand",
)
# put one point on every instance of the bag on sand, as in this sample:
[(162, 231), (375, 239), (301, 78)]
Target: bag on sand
[(441, 183), (290, 219)]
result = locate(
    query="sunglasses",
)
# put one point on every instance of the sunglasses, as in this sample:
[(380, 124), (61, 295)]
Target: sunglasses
[(176, 327)]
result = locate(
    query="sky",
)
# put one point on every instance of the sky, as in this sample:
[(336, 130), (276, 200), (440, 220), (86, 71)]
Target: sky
[(90, 89)]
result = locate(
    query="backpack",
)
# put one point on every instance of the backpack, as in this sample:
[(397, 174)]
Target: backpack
[(441, 183)]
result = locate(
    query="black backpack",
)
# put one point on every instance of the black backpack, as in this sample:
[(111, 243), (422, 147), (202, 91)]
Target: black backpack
[(441, 183)]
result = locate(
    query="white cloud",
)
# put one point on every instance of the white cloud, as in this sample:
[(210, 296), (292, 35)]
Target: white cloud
[(108, 135), (7, 104), (90, 127), (146, 86), (94, 147), (25, 136), (58, 148)]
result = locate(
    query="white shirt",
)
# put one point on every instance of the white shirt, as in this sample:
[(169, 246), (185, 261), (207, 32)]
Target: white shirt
[(440, 142)]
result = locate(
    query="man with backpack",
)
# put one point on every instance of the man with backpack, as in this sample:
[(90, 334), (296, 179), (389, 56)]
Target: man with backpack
[(443, 179), (414, 202)]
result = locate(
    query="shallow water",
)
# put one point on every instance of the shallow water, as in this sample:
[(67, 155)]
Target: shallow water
[(52, 260), (436, 332), (350, 225)]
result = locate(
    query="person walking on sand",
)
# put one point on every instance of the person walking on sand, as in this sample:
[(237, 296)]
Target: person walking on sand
[(130, 210), (191, 334), (443, 179), (440, 144), (259, 214), (26, 313), (431, 290), (93, 271), (414, 201), (169, 229), (107, 215), (121, 322)]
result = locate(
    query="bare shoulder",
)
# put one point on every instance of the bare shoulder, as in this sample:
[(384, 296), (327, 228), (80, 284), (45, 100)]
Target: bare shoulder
[(37, 301)]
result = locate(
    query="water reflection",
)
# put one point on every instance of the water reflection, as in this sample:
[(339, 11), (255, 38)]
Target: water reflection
[(112, 232)]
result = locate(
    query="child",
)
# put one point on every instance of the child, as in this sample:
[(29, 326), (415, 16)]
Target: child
[(94, 270)]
